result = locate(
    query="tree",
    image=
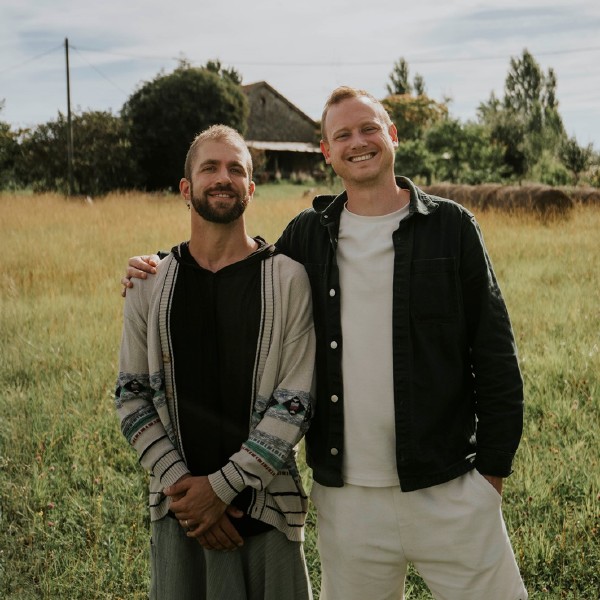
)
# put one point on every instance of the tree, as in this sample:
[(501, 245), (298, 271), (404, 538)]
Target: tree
[(549, 170), (165, 114), (523, 87), (101, 154), (413, 115), (482, 157), (9, 153), (102, 157), (419, 85), (526, 122), (508, 131), (399, 83), (531, 95), (463, 153), (413, 160), (215, 66), (552, 118), (576, 158), (445, 142)]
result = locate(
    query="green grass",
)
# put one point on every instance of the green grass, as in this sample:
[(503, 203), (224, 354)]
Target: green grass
[(73, 517)]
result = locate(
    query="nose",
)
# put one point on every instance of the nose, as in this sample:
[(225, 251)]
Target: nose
[(223, 176), (358, 140)]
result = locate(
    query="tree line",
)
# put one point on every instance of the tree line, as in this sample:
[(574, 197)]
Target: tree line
[(517, 137)]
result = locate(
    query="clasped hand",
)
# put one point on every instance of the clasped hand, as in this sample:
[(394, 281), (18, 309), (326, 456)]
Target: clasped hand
[(203, 514)]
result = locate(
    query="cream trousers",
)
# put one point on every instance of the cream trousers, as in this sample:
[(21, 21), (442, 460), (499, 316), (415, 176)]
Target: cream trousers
[(452, 533)]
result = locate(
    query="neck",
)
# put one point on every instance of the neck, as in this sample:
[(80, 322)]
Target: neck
[(373, 199), (215, 245)]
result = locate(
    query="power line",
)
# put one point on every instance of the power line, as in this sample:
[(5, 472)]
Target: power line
[(353, 64), (414, 61), (99, 72), (127, 55), (36, 57), (503, 57)]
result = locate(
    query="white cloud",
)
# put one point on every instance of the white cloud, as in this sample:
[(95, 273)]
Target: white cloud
[(302, 49)]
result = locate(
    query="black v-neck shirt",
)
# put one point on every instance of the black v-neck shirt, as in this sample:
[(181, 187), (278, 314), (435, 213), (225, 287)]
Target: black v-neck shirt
[(214, 327)]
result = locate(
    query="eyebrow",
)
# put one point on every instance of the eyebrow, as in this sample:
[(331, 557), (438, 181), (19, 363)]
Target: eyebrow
[(212, 161), (365, 123)]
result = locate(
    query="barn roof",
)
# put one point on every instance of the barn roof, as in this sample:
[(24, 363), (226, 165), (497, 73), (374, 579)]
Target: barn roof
[(252, 86), (284, 146), (275, 121)]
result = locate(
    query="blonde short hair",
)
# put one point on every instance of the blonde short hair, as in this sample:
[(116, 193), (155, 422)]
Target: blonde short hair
[(344, 93), (216, 133)]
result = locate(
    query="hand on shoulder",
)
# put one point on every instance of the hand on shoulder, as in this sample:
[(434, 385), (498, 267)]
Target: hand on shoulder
[(138, 267)]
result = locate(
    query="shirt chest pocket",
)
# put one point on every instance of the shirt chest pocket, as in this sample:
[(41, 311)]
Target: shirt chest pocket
[(434, 290)]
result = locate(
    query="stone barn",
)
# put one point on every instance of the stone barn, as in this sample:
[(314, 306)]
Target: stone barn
[(283, 140)]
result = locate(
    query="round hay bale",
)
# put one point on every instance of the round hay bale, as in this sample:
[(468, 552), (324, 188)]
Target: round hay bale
[(577, 194), (438, 189), (590, 196), (487, 195), (462, 194), (517, 198), (551, 202)]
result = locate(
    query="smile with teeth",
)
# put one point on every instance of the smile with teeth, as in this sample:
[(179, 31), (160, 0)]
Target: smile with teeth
[(222, 195), (362, 157)]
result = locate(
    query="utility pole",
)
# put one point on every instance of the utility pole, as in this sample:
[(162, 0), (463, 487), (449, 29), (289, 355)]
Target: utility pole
[(69, 125)]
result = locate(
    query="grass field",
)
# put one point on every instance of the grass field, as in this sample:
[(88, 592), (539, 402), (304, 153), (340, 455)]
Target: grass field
[(73, 518)]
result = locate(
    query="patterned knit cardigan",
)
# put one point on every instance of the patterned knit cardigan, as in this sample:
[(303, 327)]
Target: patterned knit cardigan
[(146, 396)]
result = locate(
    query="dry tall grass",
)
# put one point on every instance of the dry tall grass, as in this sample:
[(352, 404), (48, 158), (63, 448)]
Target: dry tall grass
[(72, 497)]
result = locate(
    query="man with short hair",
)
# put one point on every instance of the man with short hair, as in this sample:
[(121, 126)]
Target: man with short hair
[(214, 393), (419, 387)]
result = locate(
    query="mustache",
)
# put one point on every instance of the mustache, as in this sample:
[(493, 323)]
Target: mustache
[(220, 189)]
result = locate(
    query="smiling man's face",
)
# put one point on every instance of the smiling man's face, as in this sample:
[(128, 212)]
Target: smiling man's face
[(360, 144), (220, 188)]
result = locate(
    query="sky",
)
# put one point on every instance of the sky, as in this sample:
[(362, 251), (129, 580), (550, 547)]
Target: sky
[(303, 49)]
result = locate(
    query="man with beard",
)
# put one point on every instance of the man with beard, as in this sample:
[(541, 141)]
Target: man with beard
[(214, 393)]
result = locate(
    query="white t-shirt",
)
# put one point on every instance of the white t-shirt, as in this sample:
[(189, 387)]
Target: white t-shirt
[(365, 257)]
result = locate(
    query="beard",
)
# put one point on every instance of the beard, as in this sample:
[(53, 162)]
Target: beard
[(225, 211)]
